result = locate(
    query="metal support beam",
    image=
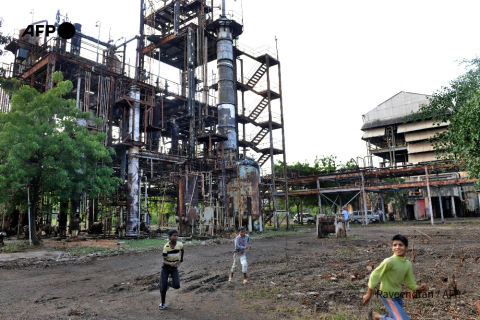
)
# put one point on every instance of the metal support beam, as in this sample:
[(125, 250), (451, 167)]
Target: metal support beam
[(429, 197), (364, 200), (441, 204), (454, 213)]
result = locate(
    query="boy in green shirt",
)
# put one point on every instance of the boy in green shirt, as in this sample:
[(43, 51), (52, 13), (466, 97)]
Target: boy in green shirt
[(392, 272)]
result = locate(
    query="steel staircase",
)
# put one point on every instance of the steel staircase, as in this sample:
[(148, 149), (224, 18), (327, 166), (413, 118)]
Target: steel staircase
[(257, 75), (263, 158), (259, 109), (260, 135)]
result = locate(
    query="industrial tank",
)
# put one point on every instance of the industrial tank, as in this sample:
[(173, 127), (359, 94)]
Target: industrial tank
[(244, 195)]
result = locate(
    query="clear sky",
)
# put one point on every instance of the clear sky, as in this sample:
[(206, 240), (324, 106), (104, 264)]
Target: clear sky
[(339, 59)]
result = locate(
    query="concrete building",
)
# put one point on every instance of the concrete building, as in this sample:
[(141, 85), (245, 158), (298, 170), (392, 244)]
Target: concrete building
[(400, 144), (394, 141)]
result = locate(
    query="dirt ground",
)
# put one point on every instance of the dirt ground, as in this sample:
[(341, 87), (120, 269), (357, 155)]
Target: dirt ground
[(293, 276)]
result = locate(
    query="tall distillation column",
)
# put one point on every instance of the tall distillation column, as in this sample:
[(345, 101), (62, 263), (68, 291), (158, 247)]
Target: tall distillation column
[(226, 94), (133, 225), (133, 210)]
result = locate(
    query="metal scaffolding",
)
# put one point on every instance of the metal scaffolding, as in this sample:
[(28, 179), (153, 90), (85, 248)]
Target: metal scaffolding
[(191, 141)]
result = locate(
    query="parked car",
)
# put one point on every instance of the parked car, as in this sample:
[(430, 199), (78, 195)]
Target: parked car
[(357, 216), (307, 218)]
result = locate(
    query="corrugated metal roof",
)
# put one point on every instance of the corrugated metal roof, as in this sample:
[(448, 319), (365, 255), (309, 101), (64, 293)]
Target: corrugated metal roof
[(394, 110)]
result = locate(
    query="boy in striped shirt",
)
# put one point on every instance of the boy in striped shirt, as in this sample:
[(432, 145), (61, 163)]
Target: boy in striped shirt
[(172, 258)]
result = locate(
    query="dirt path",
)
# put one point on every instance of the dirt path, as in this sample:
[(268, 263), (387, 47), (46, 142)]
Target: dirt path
[(293, 277)]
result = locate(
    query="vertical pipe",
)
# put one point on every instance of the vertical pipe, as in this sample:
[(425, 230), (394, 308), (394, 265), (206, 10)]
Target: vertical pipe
[(364, 200), (441, 205), (176, 14), (180, 204), (79, 81), (319, 197), (454, 213), (110, 116), (224, 188), (205, 82), (243, 111), (175, 133), (123, 163), (123, 58), (191, 92), (429, 197), (301, 209), (133, 223), (319, 206), (383, 207), (272, 162), (283, 133), (98, 39), (140, 200), (121, 216), (29, 219), (146, 198)]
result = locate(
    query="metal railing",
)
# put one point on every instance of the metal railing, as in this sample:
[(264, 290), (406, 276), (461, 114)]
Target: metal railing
[(260, 51)]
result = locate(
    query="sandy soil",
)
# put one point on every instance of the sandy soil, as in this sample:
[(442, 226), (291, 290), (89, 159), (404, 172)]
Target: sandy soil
[(292, 277)]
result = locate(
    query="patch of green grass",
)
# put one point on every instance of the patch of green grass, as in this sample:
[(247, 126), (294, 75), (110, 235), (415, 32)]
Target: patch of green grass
[(338, 316), (146, 244), (85, 250), (288, 310), (261, 293), (139, 245), (10, 248), (349, 238), (277, 232)]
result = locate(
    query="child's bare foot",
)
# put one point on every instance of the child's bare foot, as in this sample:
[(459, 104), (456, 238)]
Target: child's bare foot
[(376, 316)]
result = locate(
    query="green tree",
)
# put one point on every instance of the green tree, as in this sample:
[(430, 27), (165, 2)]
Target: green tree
[(43, 148), (3, 41), (458, 103), (321, 165)]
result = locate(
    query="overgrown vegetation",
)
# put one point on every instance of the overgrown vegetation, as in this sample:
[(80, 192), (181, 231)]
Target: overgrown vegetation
[(45, 151), (459, 104), (321, 165), (3, 41)]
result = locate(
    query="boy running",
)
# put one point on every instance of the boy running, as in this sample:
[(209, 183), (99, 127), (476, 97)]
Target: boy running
[(392, 272), (242, 242), (172, 258)]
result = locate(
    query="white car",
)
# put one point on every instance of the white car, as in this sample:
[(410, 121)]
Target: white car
[(309, 219), (357, 216)]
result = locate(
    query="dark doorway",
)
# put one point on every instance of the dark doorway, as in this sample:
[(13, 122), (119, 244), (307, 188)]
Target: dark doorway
[(410, 212)]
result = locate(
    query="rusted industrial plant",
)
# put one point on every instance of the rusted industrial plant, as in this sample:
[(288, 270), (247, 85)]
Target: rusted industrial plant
[(196, 119)]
